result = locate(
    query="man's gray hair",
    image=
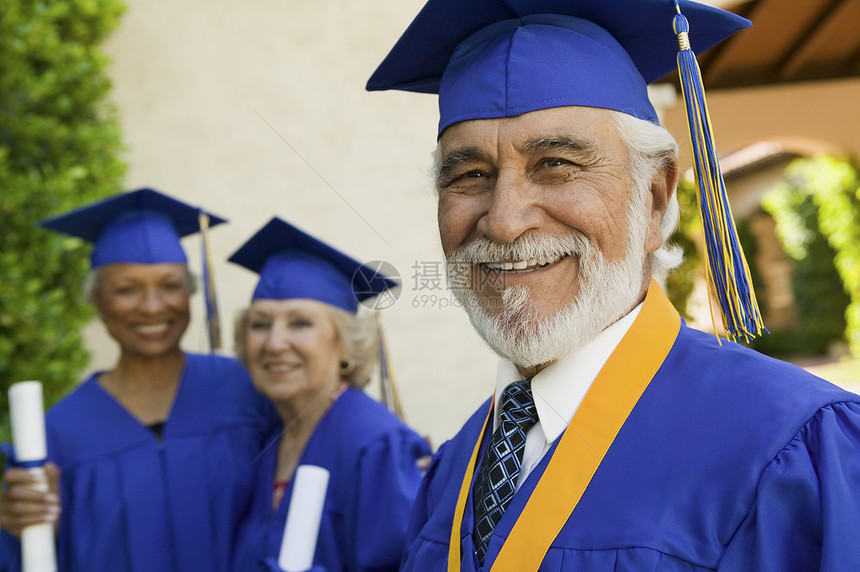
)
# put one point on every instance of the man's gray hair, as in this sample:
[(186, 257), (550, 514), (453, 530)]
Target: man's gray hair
[(653, 148)]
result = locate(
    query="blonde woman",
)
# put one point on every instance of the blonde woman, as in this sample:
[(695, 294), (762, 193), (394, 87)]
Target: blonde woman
[(310, 355)]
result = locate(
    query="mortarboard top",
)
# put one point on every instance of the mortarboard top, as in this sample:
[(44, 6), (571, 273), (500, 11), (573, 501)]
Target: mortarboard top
[(137, 227), (502, 58), (294, 264)]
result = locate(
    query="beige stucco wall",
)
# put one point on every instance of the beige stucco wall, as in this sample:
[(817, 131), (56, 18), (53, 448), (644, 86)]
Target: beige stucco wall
[(823, 112)]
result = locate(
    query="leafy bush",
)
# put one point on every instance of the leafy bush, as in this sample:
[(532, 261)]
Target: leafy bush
[(59, 148), (817, 214), (818, 292)]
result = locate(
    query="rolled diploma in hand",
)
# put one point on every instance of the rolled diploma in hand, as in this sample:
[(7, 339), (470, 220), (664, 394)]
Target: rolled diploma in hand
[(303, 521), (38, 551)]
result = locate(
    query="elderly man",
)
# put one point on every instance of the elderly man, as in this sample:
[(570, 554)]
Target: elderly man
[(618, 438)]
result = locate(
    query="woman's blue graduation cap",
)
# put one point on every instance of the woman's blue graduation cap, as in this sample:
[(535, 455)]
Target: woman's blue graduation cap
[(144, 227), (491, 59), (137, 227), (294, 264)]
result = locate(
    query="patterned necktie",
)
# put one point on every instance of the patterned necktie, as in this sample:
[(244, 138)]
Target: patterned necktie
[(497, 478)]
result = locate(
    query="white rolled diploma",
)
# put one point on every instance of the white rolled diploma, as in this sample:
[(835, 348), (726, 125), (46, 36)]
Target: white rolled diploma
[(303, 520), (27, 413)]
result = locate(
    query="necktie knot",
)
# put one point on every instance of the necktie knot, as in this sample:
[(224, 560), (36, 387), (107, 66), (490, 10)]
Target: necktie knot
[(518, 405)]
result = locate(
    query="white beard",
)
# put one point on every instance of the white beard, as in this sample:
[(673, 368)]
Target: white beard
[(607, 291)]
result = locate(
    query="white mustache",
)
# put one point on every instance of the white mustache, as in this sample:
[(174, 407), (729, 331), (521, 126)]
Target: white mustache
[(547, 247)]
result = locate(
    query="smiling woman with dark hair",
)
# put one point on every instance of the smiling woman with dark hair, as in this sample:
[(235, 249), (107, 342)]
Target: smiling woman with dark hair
[(152, 459)]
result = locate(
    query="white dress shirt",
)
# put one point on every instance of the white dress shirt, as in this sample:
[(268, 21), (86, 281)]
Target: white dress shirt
[(559, 389)]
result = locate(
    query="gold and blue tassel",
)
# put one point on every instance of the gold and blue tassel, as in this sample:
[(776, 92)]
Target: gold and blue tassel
[(213, 321), (727, 271)]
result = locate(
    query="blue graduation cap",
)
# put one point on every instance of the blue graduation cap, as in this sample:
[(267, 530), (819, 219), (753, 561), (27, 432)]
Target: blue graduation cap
[(502, 58), (490, 59), (294, 264), (137, 227)]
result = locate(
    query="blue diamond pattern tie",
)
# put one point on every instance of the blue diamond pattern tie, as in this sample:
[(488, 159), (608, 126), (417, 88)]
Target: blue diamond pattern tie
[(497, 478)]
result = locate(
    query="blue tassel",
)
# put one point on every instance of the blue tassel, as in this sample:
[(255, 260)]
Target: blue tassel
[(728, 273), (213, 321)]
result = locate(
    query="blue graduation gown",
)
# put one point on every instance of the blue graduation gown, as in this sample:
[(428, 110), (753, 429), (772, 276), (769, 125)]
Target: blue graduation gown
[(729, 461), (132, 503), (371, 456)]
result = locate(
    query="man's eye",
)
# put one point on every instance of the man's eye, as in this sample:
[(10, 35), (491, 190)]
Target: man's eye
[(300, 323), (554, 162), (467, 178), (465, 181), (259, 325)]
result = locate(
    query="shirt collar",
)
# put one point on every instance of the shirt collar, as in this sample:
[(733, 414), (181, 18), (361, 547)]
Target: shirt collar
[(559, 388)]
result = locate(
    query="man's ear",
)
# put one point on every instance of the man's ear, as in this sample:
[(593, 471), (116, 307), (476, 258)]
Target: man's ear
[(662, 188)]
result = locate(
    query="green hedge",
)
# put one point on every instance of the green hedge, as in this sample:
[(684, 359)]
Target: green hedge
[(60, 147)]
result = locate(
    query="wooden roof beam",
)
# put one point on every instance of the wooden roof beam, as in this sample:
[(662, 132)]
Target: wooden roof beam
[(825, 35)]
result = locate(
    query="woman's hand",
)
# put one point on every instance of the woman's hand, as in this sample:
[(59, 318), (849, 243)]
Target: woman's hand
[(23, 504)]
